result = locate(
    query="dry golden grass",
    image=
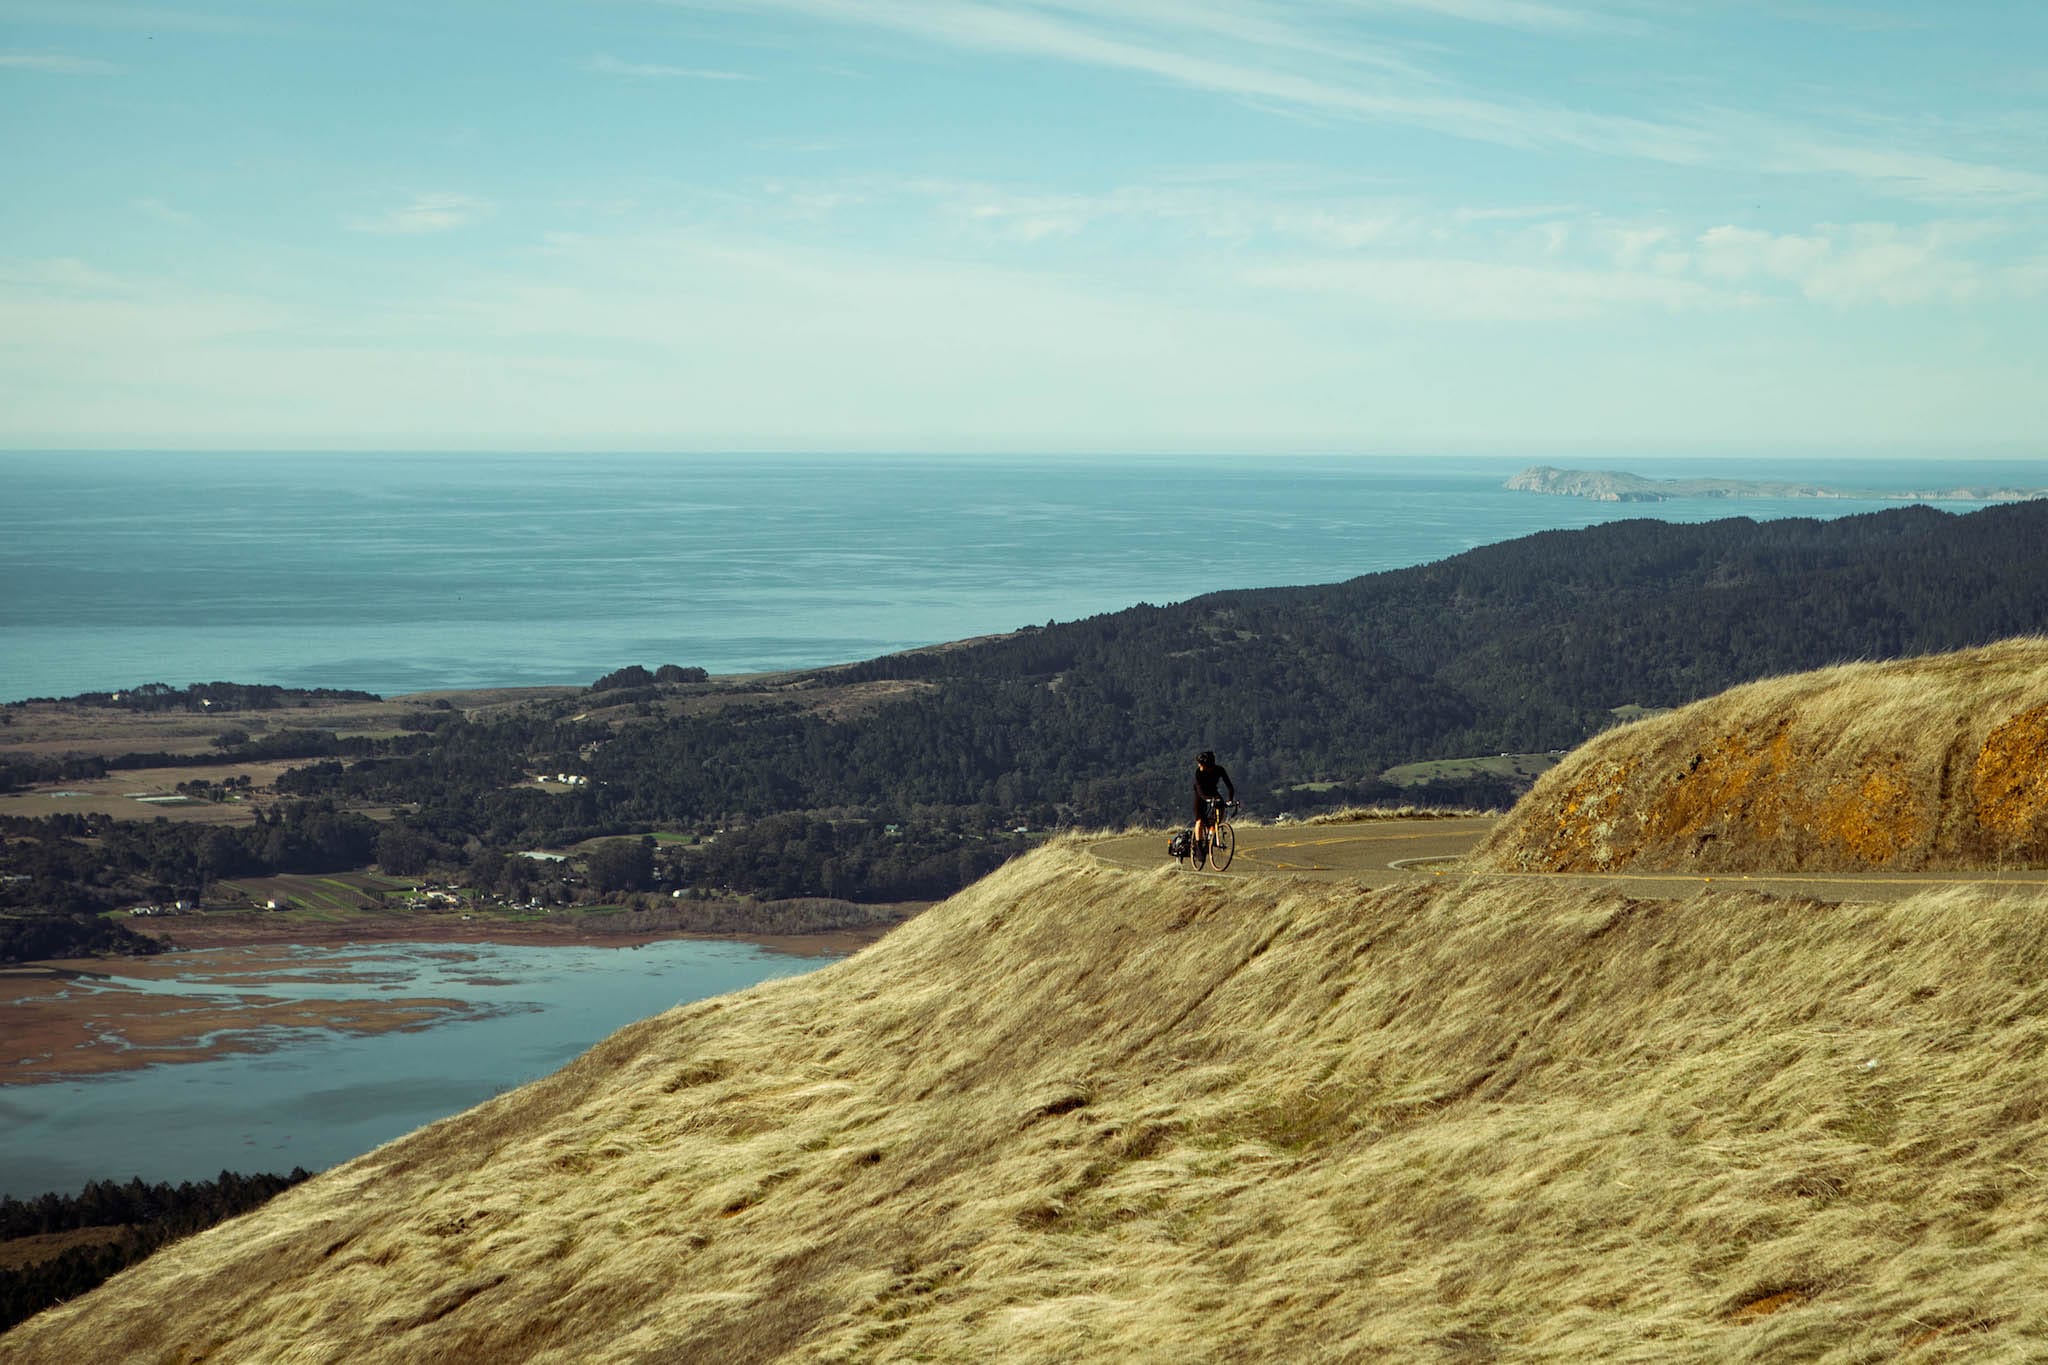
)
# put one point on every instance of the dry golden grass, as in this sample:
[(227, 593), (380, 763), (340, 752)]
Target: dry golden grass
[(1354, 815), (1082, 1114), (1938, 762)]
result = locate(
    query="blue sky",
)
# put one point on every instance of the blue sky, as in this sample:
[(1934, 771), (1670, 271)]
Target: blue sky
[(1631, 226)]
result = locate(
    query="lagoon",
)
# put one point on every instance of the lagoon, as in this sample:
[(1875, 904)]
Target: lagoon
[(314, 1097)]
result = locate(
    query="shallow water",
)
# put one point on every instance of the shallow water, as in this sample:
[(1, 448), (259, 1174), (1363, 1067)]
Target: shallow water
[(316, 1098)]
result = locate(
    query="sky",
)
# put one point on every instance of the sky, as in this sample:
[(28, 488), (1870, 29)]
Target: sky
[(1382, 226)]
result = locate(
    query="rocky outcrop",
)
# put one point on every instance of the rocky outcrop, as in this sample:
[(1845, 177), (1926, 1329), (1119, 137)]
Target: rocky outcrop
[(1938, 762)]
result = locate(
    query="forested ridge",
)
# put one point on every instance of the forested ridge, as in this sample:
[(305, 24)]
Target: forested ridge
[(1308, 694), (1526, 645), (135, 1219)]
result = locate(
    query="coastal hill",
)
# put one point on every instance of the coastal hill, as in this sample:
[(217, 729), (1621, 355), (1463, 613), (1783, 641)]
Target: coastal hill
[(1609, 485), (1920, 763), (900, 779), (1077, 1112)]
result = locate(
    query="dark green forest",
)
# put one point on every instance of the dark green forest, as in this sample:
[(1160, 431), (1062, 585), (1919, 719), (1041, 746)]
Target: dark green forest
[(139, 1219), (1307, 693)]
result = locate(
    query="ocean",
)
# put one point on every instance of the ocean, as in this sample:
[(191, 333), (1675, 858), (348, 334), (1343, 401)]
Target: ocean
[(399, 573)]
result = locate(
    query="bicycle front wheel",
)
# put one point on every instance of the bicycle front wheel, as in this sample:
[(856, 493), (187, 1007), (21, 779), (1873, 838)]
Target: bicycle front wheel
[(1222, 847)]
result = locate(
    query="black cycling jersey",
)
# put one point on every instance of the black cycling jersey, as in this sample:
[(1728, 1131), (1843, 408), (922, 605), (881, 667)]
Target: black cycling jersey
[(1206, 783)]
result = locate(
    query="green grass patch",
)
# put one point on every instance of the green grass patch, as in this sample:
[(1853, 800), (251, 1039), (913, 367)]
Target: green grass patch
[(1496, 765)]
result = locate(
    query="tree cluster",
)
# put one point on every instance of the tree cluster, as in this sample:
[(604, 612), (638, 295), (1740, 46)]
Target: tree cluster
[(37, 937), (148, 1217), (637, 676), (223, 696)]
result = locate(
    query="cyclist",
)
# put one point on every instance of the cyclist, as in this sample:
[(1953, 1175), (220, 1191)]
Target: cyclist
[(1209, 774)]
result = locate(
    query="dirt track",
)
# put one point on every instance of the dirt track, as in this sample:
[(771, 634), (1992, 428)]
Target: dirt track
[(1381, 852)]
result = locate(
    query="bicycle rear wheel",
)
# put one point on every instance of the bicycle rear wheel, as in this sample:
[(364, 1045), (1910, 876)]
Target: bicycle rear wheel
[(1222, 847)]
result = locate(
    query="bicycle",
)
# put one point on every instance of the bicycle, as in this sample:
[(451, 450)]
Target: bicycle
[(1222, 838)]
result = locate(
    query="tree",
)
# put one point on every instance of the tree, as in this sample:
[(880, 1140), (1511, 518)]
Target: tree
[(487, 869), (622, 864), (221, 854), (401, 852), (632, 675)]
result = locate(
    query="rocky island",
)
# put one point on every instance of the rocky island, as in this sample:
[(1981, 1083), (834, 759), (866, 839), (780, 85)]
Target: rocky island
[(1610, 485)]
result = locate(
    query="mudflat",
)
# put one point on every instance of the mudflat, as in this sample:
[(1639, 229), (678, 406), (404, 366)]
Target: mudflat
[(87, 1017), (68, 1019)]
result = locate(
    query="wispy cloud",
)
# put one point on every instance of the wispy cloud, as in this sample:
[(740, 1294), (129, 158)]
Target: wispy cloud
[(1864, 263), (57, 64), (1311, 57), (65, 302), (650, 71), (1510, 13), (1460, 290), (164, 212), (158, 18), (57, 274), (427, 213), (1906, 173), (1136, 37)]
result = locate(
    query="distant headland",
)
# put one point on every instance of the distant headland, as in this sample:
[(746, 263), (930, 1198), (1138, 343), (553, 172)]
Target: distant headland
[(1609, 485)]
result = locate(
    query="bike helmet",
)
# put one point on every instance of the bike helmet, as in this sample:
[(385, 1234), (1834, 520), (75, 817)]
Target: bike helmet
[(1207, 758)]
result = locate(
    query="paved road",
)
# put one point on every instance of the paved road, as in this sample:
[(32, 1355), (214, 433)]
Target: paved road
[(1382, 852)]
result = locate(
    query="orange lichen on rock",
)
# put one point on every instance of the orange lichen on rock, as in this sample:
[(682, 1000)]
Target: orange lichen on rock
[(1853, 768), (1876, 816), (1583, 836), (1736, 779), (2011, 778)]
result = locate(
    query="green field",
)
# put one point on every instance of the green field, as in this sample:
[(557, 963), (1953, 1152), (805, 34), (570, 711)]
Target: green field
[(346, 893), (1496, 765)]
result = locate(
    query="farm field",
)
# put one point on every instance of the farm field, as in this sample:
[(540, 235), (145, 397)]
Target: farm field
[(1495, 765), (341, 893), (148, 794), (55, 727)]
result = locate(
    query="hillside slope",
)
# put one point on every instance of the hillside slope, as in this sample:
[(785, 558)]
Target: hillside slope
[(1075, 1113), (1919, 763)]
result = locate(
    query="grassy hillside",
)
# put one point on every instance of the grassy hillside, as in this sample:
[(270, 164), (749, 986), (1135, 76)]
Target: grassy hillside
[(1082, 1113), (1074, 1113), (1918, 763)]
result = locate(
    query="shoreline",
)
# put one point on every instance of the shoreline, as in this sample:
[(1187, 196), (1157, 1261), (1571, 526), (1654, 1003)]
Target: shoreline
[(73, 1019), (204, 933)]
